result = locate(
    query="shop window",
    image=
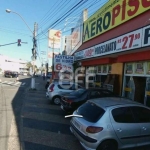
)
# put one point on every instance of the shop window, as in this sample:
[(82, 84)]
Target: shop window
[(105, 69), (99, 69), (129, 68), (148, 68), (139, 68), (91, 69)]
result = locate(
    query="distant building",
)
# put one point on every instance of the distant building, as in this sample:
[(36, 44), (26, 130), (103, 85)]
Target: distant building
[(66, 44), (7, 63), (64, 52)]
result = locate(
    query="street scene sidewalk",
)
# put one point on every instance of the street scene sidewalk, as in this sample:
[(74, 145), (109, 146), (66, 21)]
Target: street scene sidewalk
[(43, 126)]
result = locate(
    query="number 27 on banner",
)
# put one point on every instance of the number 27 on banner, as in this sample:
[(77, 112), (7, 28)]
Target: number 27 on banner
[(129, 40)]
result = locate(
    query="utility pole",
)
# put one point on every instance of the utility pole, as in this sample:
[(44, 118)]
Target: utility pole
[(53, 72), (34, 56)]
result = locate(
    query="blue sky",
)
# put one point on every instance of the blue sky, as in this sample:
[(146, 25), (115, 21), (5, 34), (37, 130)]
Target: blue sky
[(44, 13)]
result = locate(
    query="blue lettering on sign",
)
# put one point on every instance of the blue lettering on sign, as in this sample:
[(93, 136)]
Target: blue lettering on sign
[(63, 61), (57, 60)]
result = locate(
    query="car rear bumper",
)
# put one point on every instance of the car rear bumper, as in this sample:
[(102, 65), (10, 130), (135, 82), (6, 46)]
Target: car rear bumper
[(79, 138), (49, 96)]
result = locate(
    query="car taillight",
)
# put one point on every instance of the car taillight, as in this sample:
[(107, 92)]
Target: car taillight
[(92, 129), (51, 88)]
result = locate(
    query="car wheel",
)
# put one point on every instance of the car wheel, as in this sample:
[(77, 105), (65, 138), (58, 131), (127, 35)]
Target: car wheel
[(56, 100), (107, 145)]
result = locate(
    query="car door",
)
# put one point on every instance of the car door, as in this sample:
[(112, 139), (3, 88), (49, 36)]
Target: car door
[(123, 122), (142, 116)]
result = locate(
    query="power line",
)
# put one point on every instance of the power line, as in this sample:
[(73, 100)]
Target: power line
[(13, 32), (53, 13), (64, 16), (90, 3), (53, 7)]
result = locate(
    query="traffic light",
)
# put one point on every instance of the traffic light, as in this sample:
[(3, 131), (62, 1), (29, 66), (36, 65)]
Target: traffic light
[(19, 42)]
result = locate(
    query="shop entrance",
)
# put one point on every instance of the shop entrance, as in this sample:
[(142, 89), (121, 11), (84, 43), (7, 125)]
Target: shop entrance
[(140, 83), (99, 80), (147, 93), (135, 88)]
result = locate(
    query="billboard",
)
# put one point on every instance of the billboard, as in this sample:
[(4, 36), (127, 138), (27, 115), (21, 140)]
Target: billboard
[(63, 62), (54, 39), (77, 35), (112, 14), (50, 54)]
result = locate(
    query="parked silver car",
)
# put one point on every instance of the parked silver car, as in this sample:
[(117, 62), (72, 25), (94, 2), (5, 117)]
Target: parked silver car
[(111, 124), (56, 89)]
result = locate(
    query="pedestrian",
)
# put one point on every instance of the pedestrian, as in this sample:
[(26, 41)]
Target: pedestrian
[(17, 78), (43, 76)]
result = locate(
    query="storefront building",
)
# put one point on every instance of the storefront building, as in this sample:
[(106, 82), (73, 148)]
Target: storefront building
[(116, 47)]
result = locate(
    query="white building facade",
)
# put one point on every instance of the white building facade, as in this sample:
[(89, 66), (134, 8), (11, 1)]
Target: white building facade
[(7, 63)]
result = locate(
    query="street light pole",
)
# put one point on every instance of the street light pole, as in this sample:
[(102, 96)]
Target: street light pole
[(34, 45), (9, 11)]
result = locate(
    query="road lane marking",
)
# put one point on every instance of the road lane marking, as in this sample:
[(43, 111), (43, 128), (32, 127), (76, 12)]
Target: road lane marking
[(17, 83), (10, 82), (5, 82)]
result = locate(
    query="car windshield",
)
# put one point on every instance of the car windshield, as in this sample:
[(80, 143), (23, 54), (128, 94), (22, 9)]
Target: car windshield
[(86, 109)]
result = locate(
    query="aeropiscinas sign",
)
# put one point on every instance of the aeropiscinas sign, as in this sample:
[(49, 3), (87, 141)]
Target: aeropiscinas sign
[(112, 14), (133, 40)]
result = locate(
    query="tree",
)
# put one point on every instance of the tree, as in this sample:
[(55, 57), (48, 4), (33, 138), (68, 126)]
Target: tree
[(29, 65)]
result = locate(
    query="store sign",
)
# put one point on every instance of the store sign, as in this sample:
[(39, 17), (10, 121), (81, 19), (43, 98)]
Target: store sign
[(146, 36), (77, 35), (79, 55), (112, 14), (54, 39), (63, 63), (125, 42), (89, 52)]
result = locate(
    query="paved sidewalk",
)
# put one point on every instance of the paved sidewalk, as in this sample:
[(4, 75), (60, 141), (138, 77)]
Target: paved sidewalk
[(43, 126)]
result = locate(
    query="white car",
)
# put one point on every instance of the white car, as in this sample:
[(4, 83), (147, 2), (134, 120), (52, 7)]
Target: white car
[(56, 89)]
